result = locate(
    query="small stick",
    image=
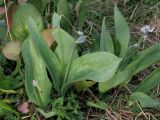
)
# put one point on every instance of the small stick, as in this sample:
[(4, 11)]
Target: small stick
[(7, 20)]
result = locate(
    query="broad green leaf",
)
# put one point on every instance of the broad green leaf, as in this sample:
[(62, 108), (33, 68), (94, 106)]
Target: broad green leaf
[(65, 50), (50, 59), (12, 50), (122, 31), (64, 10), (5, 108), (19, 26), (56, 20), (106, 43), (37, 84), (146, 58), (117, 79), (99, 67), (143, 60), (150, 82), (145, 100), (100, 105)]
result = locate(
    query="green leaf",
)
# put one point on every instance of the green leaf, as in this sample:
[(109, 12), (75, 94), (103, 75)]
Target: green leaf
[(56, 20), (8, 91), (116, 80), (64, 10), (81, 10), (19, 26), (100, 105), (99, 67), (127, 59), (143, 60), (65, 50), (37, 84), (106, 43), (18, 67), (145, 100), (122, 31), (150, 82), (146, 58), (5, 108), (50, 59), (48, 114), (5, 82)]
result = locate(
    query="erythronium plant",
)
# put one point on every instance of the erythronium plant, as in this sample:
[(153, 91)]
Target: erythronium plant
[(64, 65)]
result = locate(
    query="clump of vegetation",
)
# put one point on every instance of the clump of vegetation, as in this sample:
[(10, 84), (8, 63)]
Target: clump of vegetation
[(52, 56)]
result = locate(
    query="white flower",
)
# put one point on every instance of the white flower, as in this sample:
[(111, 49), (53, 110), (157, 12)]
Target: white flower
[(81, 39), (147, 29)]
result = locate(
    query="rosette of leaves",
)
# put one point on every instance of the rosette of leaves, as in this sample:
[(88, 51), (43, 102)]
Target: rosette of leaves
[(64, 65), (132, 62)]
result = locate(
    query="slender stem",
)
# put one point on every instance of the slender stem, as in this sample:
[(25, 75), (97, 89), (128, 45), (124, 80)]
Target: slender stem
[(8, 29)]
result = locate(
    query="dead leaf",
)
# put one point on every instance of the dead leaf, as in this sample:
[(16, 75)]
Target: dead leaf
[(10, 14), (48, 37), (12, 50), (24, 108)]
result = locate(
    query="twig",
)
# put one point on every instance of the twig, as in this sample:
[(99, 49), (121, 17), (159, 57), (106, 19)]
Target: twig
[(141, 110), (134, 11), (88, 113), (7, 20), (91, 93)]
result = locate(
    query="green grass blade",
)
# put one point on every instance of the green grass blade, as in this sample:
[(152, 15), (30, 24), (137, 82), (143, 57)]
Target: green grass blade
[(149, 83), (64, 10), (145, 100), (6, 108), (116, 80)]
